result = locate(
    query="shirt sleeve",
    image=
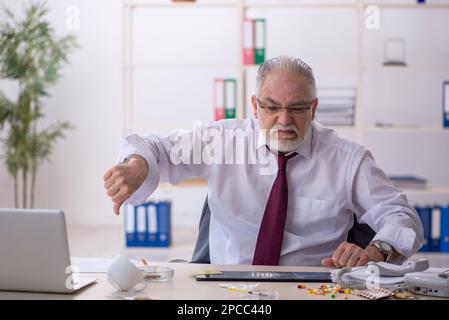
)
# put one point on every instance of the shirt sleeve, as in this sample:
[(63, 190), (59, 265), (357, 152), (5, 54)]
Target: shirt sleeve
[(384, 207), (172, 158)]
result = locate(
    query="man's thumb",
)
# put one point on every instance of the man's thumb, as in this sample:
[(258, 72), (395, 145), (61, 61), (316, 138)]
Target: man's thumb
[(117, 207), (328, 262)]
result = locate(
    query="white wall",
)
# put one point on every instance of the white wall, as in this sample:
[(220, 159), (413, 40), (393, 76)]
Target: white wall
[(89, 96), (90, 93), (325, 37)]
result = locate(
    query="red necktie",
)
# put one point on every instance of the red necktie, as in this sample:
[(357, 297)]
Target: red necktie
[(271, 232)]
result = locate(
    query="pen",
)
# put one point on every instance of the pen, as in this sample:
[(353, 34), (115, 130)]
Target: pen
[(240, 290)]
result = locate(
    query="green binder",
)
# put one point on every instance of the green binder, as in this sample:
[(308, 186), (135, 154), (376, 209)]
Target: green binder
[(260, 39), (230, 93)]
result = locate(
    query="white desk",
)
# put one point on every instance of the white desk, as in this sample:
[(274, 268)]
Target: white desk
[(185, 287)]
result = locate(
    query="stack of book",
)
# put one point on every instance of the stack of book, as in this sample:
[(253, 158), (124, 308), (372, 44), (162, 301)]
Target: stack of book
[(225, 98), (408, 182), (336, 106)]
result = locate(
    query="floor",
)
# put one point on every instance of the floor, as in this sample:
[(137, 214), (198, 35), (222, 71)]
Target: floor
[(108, 242)]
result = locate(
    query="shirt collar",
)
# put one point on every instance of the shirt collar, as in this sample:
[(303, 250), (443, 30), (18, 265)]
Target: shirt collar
[(304, 149)]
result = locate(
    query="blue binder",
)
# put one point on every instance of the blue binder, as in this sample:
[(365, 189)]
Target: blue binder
[(435, 234), (141, 216), (130, 225), (148, 225), (446, 104), (444, 243), (425, 215), (164, 224), (152, 227)]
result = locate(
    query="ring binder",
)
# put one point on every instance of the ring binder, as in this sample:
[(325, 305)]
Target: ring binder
[(148, 225), (444, 242), (446, 104), (219, 99)]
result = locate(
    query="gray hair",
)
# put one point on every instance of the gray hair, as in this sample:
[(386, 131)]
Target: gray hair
[(289, 64)]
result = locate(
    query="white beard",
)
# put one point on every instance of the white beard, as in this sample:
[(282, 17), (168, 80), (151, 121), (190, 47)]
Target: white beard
[(283, 145)]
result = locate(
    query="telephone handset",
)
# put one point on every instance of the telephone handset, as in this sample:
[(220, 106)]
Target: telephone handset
[(393, 270)]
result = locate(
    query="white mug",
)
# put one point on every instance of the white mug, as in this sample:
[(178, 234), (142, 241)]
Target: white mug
[(125, 276)]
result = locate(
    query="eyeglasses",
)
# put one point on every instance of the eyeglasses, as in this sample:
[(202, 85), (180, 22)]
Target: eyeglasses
[(271, 109)]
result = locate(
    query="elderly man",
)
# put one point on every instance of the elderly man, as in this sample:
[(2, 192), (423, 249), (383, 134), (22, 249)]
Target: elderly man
[(297, 214)]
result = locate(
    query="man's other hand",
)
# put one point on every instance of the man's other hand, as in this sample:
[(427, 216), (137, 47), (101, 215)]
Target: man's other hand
[(122, 180), (351, 255)]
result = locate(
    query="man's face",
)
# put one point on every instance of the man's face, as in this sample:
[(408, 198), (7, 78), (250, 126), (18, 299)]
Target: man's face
[(285, 129)]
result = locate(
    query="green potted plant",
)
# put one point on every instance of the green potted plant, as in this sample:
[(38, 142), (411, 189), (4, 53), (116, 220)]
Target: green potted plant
[(30, 55)]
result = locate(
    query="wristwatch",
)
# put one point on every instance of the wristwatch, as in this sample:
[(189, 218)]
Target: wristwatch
[(385, 248)]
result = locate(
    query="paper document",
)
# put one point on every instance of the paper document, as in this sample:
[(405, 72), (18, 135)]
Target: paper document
[(91, 265)]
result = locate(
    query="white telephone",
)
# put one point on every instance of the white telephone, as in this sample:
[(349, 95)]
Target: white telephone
[(377, 274), (432, 282)]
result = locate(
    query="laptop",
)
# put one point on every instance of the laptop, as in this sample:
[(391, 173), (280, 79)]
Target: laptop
[(34, 252)]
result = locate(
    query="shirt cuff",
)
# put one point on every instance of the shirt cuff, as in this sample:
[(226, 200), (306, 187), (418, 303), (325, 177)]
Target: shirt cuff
[(401, 239), (395, 257), (136, 145)]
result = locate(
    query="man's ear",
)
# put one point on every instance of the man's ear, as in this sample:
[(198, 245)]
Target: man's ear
[(315, 105), (254, 103)]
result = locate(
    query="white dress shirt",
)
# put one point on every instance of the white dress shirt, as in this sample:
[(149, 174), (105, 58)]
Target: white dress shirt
[(330, 179)]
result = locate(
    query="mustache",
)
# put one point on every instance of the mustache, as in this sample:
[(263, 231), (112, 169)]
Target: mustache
[(277, 128)]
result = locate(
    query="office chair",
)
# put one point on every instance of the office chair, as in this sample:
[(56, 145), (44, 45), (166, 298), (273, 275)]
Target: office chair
[(360, 234)]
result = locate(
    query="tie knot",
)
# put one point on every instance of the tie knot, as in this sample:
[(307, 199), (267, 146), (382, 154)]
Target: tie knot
[(282, 160)]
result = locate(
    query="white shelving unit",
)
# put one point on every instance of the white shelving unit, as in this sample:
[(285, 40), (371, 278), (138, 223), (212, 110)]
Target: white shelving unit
[(359, 67)]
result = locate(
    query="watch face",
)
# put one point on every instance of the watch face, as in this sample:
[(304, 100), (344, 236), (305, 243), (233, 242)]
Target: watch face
[(385, 246)]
